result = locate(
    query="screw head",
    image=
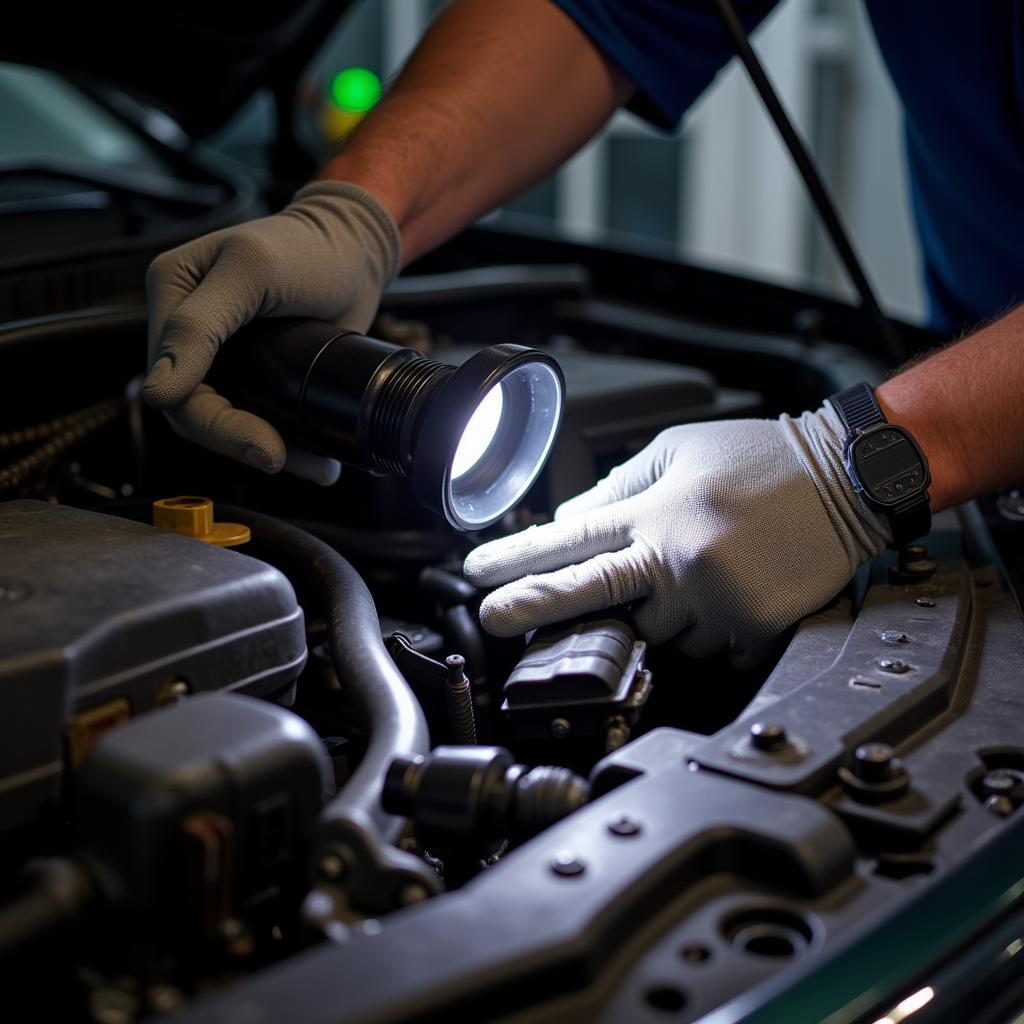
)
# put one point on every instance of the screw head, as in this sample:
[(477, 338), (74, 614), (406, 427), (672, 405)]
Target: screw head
[(560, 728), (874, 762), (624, 826), (768, 735), (567, 865), (895, 666), (924, 602), (1001, 806), (894, 636)]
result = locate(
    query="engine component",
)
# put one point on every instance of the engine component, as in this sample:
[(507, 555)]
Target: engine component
[(436, 685), (104, 618), (355, 862), (459, 700), (474, 793), (579, 679), (192, 516), (58, 894), (193, 811), (472, 439)]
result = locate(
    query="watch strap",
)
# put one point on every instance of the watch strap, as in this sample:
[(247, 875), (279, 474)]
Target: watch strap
[(857, 408), (910, 521)]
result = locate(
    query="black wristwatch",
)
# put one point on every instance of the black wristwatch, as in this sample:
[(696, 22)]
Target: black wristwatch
[(885, 464)]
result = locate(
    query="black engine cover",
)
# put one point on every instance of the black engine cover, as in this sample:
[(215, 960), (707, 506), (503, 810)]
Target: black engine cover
[(100, 615)]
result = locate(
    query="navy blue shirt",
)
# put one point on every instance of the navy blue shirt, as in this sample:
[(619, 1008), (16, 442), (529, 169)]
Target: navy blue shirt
[(959, 69)]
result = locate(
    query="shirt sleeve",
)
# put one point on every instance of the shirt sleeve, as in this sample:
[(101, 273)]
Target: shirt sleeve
[(669, 49)]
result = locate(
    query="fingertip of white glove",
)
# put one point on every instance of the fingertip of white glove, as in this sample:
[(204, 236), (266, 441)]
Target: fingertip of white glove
[(487, 564), (499, 617), (317, 469)]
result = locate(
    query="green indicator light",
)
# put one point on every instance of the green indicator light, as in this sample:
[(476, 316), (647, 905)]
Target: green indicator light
[(355, 90)]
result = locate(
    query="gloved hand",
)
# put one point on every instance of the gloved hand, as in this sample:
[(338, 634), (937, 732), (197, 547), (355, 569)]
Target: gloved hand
[(724, 533), (329, 254)]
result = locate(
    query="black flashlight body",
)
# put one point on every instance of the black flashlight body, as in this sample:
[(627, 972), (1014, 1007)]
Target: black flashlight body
[(331, 391), (387, 409)]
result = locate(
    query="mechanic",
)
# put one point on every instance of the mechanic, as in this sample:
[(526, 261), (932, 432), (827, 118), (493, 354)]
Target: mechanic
[(723, 533)]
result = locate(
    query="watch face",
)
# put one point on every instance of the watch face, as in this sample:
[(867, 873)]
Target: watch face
[(888, 464)]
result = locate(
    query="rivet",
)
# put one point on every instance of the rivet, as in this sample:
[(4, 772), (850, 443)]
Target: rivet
[(768, 735), (567, 865), (624, 826)]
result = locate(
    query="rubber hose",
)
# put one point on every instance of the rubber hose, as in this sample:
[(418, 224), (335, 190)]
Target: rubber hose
[(61, 891), (383, 702)]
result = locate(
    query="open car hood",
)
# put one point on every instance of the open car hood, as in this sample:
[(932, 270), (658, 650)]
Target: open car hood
[(197, 61)]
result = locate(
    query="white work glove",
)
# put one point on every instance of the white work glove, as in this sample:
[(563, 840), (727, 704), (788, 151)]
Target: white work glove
[(329, 254), (723, 533)]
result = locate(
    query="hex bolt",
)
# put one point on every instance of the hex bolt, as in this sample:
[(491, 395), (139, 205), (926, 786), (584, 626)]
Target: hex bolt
[(924, 602), (624, 826), (459, 700), (1001, 806), (567, 865), (895, 666), (874, 762), (560, 728), (894, 636), (768, 736), (912, 565)]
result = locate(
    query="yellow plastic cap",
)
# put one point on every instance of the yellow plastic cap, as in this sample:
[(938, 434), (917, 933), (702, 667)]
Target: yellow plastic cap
[(193, 516)]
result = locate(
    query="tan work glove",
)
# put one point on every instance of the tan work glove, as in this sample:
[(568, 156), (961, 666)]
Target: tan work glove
[(329, 254)]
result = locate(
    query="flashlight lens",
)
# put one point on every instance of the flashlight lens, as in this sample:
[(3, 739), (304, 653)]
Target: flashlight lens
[(479, 432), (505, 444)]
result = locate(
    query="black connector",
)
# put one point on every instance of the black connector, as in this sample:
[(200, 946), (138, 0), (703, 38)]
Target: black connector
[(479, 793)]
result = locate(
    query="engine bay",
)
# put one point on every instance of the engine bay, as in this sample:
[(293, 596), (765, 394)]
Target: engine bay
[(294, 779)]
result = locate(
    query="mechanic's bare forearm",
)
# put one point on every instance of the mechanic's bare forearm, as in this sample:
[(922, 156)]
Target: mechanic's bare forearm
[(965, 406), (498, 94)]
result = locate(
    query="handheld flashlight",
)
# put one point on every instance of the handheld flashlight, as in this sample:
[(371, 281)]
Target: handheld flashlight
[(472, 438)]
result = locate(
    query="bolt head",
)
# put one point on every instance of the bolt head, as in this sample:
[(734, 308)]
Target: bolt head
[(894, 666), (924, 602), (624, 826), (874, 762), (567, 865), (768, 735), (894, 636), (560, 728)]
